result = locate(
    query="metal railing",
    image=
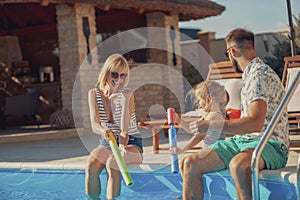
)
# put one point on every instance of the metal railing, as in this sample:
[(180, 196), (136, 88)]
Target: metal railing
[(298, 178), (268, 132)]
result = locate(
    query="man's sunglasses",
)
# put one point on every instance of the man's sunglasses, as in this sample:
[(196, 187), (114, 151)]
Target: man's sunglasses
[(227, 50), (116, 75)]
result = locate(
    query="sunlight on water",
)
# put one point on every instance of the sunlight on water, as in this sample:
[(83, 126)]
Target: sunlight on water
[(63, 184)]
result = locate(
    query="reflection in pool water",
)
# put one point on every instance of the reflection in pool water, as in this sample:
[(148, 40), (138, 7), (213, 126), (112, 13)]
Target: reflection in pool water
[(69, 184)]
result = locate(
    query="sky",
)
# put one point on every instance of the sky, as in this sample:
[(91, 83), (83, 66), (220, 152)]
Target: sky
[(258, 16)]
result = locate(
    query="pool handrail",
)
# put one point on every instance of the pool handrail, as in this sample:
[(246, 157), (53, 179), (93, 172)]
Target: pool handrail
[(269, 130), (298, 178)]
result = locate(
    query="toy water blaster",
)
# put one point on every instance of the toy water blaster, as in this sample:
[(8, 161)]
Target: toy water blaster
[(172, 139), (120, 161)]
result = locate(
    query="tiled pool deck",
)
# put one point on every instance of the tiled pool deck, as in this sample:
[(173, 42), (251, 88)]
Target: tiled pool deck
[(64, 149)]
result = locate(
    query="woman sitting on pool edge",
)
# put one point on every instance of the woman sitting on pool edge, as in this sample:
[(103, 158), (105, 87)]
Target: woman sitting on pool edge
[(212, 98), (111, 106)]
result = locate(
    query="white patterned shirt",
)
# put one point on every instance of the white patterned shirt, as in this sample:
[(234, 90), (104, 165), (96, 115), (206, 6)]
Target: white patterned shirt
[(259, 81)]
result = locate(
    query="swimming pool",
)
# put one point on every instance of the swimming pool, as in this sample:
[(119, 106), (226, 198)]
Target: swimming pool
[(161, 184)]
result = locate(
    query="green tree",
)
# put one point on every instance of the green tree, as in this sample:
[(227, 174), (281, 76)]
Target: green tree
[(297, 31), (283, 49)]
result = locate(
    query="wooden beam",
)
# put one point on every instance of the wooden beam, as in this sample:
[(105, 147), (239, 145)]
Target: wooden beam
[(4, 19), (124, 15), (139, 11), (103, 7), (4, 33), (15, 18), (34, 29), (45, 14), (44, 3)]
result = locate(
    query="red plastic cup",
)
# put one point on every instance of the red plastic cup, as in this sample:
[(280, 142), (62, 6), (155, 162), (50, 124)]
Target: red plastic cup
[(233, 113)]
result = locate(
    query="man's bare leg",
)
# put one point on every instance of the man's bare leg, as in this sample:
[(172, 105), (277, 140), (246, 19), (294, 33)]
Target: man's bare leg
[(240, 169), (192, 169)]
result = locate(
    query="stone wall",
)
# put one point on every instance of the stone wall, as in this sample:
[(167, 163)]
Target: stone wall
[(73, 51), (162, 74), (163, 87)]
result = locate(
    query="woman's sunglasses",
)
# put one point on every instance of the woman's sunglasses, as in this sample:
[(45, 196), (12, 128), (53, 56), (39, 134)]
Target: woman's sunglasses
[(116, 75)]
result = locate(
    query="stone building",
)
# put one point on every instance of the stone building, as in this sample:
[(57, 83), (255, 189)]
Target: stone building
[(62, 33)]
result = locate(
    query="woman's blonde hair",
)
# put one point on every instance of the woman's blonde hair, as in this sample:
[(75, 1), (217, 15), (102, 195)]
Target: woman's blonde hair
[(213, 89), (114, 63)]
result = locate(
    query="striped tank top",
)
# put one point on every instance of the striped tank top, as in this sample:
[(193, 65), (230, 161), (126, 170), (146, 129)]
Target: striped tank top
[(115, 126)]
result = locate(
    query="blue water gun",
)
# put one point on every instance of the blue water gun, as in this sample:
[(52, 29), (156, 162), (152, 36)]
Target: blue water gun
[(172, 139)]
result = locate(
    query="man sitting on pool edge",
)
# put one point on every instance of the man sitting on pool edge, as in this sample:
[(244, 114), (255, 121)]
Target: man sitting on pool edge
[(261, 94)]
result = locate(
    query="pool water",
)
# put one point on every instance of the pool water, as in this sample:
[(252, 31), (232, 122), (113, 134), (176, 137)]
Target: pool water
[(62, 184), (69, 184)]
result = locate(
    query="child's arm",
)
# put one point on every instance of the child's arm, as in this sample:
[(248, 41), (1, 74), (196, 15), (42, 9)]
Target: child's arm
[(184, 123), (191, 143)]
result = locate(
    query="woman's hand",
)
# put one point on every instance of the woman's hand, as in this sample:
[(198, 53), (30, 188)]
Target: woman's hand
[(122, 150), (105, 133), (123, 139)]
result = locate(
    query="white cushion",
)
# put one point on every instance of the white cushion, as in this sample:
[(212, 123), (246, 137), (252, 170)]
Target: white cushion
[(233, 87), (294, 104)]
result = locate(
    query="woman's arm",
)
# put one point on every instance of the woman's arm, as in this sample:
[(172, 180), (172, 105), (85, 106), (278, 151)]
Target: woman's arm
[(127, 102), (94, 115)]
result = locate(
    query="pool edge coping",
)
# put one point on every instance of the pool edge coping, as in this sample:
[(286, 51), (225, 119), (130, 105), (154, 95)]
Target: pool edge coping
[(285, 175)]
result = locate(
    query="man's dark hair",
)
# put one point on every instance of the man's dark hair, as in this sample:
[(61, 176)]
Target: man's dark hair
[(241, 37)]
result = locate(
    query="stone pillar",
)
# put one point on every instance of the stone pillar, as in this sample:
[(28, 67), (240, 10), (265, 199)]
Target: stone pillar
[(73, 51), (168, 43), (161, 20), (205, 38)]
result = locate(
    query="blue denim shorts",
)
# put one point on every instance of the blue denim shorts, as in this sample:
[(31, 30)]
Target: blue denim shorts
[(275, 154), (135, 140)]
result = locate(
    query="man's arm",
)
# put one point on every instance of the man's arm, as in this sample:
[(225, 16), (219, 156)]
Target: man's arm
[(252, 123)]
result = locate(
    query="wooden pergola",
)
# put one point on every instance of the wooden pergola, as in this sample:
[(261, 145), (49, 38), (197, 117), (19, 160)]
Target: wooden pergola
[(36, 24)]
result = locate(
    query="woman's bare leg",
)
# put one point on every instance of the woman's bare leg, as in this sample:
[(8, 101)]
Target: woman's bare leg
[(95, 164), (131, 156), (113, 187)]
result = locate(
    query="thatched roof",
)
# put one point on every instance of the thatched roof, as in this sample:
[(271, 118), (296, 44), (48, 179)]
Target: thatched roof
[(186, 9)]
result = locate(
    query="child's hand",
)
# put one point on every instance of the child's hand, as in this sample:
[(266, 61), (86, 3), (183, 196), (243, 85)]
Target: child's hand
[(175, 150), (194, 127), (177, 118)]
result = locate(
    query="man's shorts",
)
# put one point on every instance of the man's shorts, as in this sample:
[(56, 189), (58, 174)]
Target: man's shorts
[(135, 140), (275, 153)]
